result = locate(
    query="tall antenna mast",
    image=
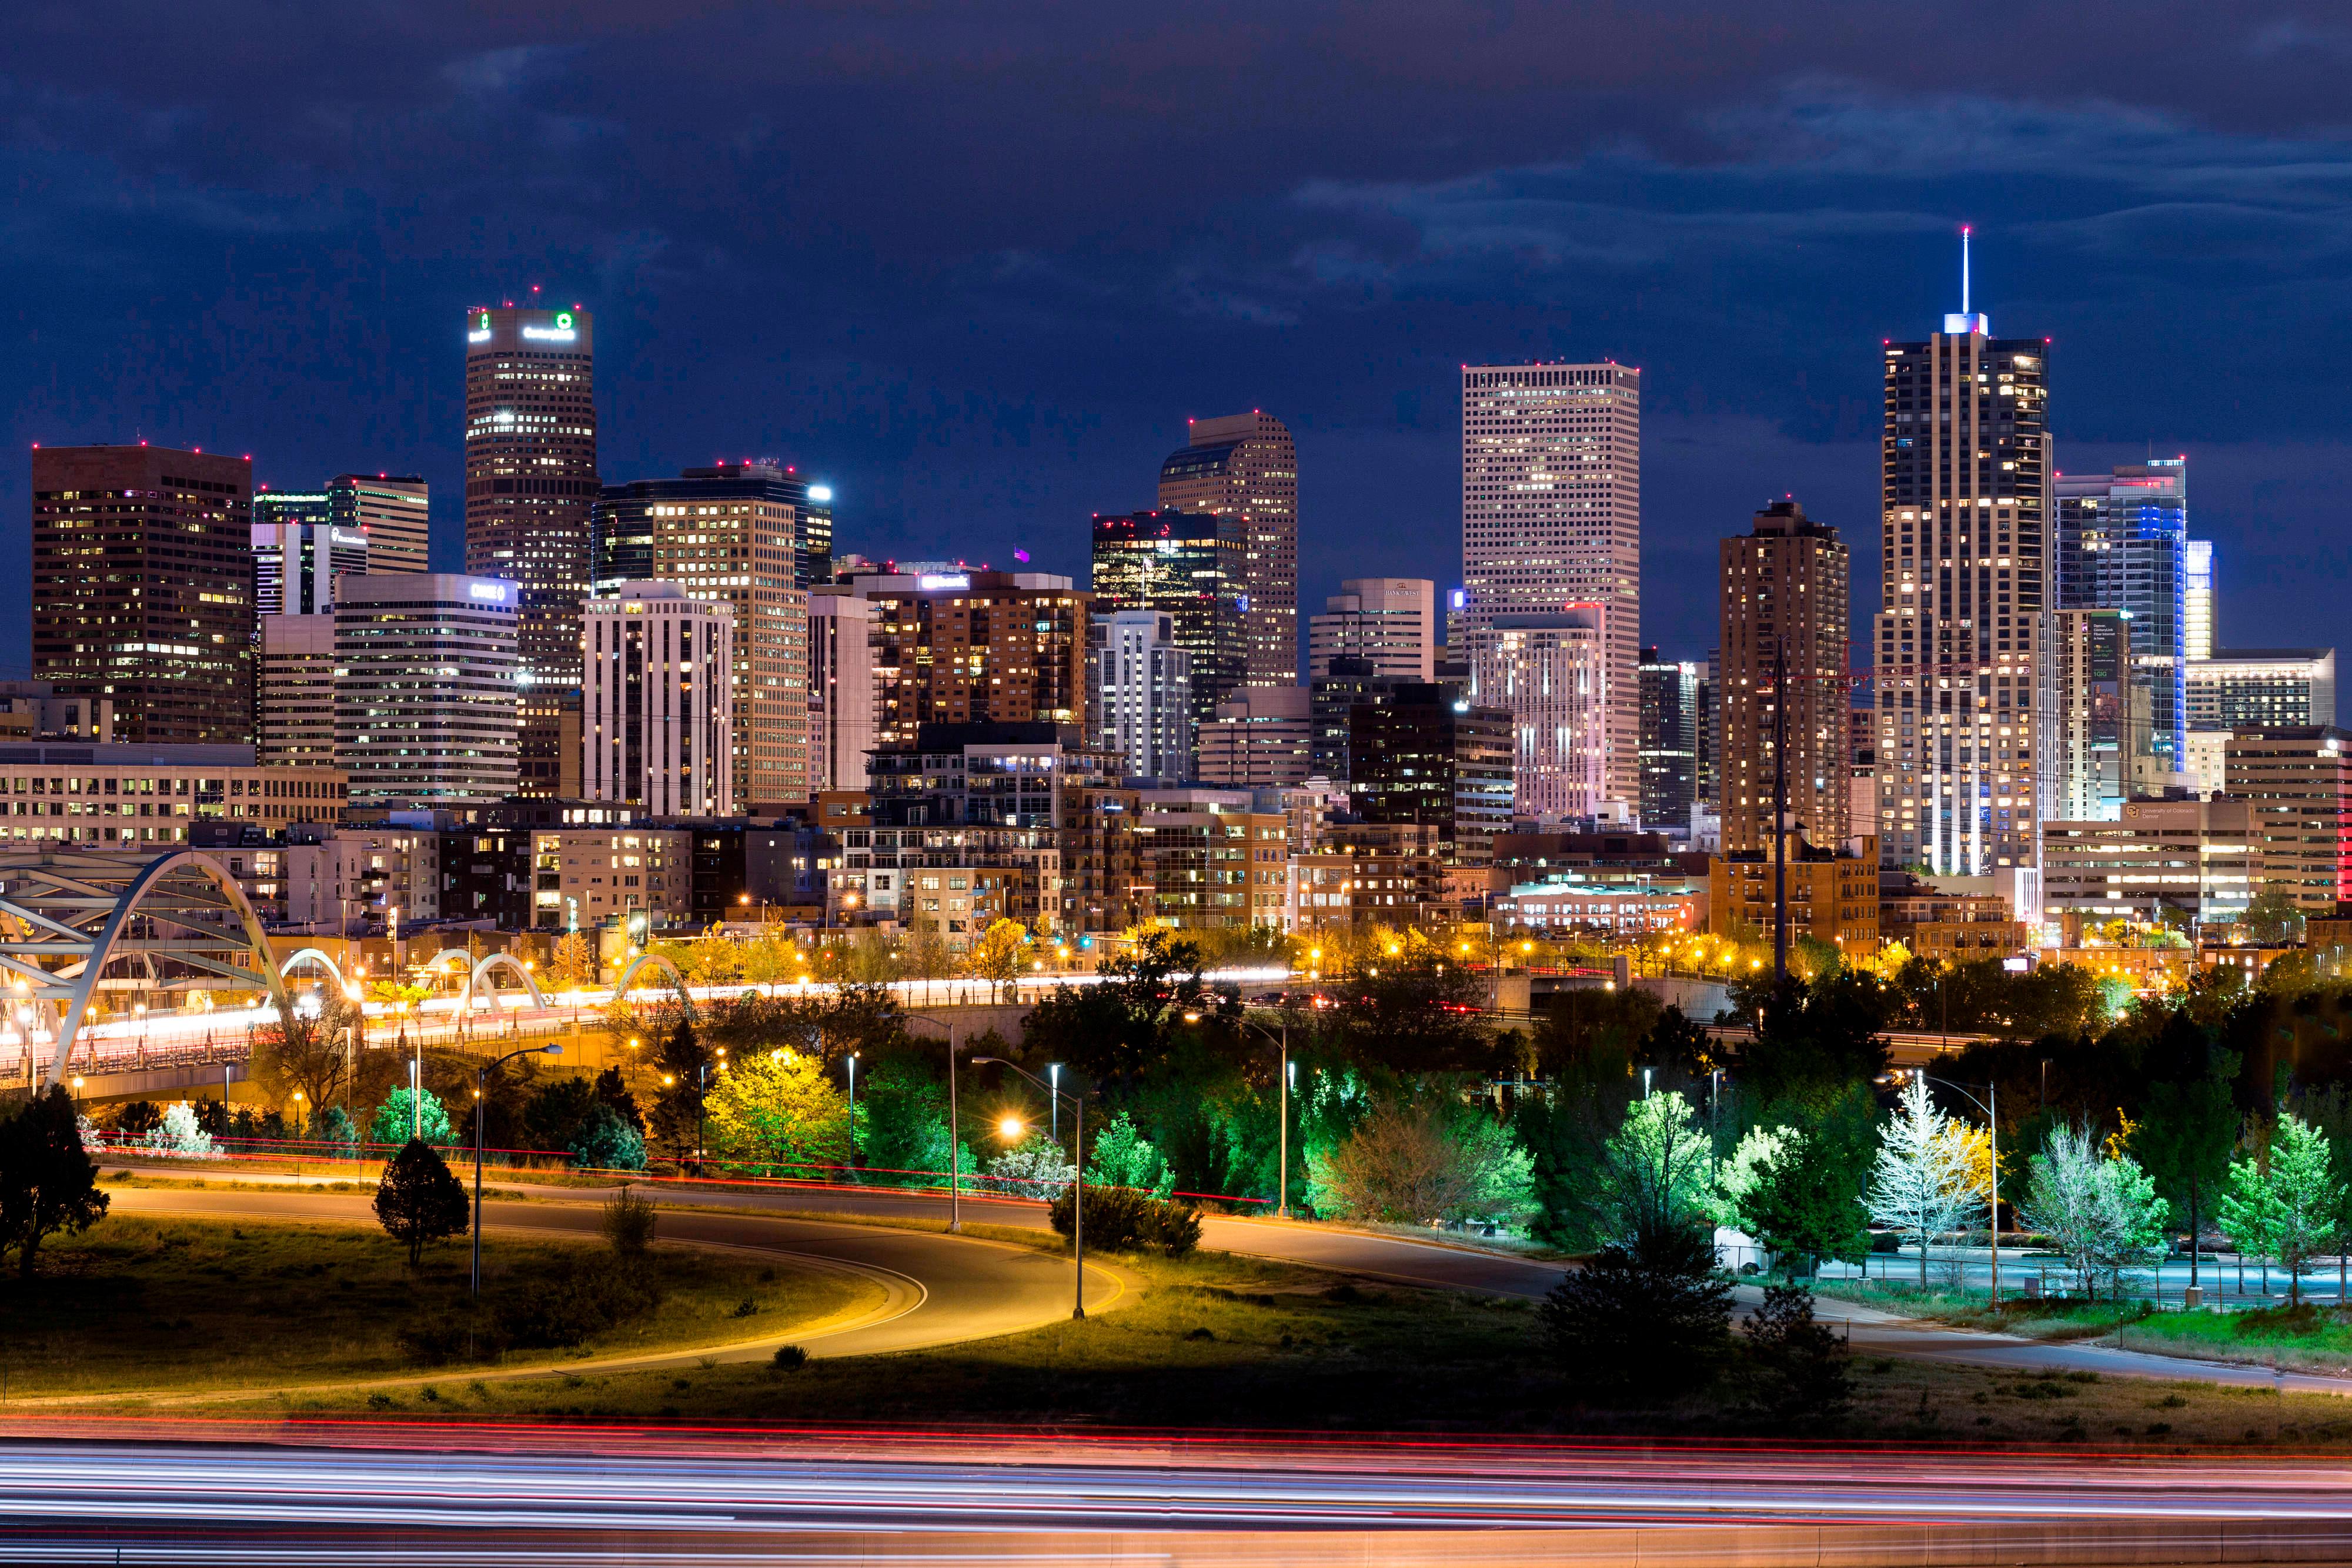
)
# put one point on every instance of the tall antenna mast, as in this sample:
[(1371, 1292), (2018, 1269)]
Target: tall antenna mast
[(1964, 269)]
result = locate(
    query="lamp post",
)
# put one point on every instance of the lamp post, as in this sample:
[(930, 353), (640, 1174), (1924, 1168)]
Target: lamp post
[(1079, 1162), (955, 1151), (853, 1111), (480, 1073)]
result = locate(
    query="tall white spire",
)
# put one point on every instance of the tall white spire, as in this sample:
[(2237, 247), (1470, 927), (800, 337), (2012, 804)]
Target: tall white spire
[(1964, 269), (1967, 320)]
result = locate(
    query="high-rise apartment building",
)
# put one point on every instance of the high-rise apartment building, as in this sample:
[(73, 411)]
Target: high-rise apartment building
[(298, 553), (1428, 758), (975, 647), (142, 587), (1671, 741), (296, 710), (426, 668), (1964, 775), (1550, 674), (1551, 515), (393, 510), (2261, 688), (842, 690), (531, 482), (1245, 467), (1389, 621), (2197, 599), (2104, 755), (2123, 544), (656, 701), (735, 533), (2299, 779), (1142, 693), (1261, 739), (1784, 587), (1194, 566)]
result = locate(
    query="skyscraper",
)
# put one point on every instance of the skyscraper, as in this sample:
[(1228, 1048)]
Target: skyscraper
[(656, 710), (736, 532), (842, 692), (393, 510), (1427, 757), (2197, 599), (1245, 467), (2123, 542), (424, 695), (1784, 676), (1391, 620), (1965, 776), (1550, 674), (2104, 755), (1193, 566), (142, 587), (298, 551), (530, 480), (1551, 515), (296, 713), (1261, 738), (1671, 741), (1142, 693)]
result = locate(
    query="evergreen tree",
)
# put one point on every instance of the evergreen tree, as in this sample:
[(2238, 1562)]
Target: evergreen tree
[(1650, 1312), (419, 1200), (1802, 1365), (48, 1184), (2185, 1129)]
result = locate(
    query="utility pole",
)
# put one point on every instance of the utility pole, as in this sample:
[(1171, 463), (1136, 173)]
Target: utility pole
[(1779, 812)]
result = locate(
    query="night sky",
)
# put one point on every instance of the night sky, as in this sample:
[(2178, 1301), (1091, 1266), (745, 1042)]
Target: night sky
[(976, 263)]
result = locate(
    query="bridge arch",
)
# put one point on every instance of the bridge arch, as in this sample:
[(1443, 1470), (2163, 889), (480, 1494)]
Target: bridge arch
[(312, 956), (476, 974), (677, 979)]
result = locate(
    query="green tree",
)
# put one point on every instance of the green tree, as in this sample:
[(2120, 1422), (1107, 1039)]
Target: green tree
[(778, 1109), (2103, 1213), (1124, 1157), (2285, 1207), (553, 1113), (48, 1184), (1785, 1188), (2274, 916), (682, 1067), (601, 1140), (2185, 1129), (419, 1200), (396, 1119), (1649, 1312), (1656, 1170)]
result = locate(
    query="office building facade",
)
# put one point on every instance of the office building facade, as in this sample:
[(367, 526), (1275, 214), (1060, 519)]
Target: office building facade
[(1331, 698), (1967, 583), (142, 587), (656, 701), (296, 711), (1389, 621), (2104, 752), (1784, 588), (2197, 599), (2123, 544), (297, 561), (530, 483), (1550, 674), (1551, 515), (1671, 740), (1261, 739), (392, 511), (1194, 566), (425, 711), (1427, 757), (2258, 688), (1142, 693), (842, 690), (2298, 781), (113, 796), (2200, 860), (1245, 467)]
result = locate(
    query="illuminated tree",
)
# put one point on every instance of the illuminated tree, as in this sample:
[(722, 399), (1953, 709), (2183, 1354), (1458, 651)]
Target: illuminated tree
[(1924, 1184), (778, 1109), (996, 956)]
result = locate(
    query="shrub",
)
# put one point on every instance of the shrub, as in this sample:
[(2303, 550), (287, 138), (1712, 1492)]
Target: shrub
[(1120, 1220), (1415, 1164), (179, 1132), (628, 1223), (1801, 1367), (790, 1358), (1651, 1313)]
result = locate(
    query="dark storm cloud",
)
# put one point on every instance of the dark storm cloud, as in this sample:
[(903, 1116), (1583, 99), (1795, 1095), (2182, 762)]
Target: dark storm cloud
[(977, 264)]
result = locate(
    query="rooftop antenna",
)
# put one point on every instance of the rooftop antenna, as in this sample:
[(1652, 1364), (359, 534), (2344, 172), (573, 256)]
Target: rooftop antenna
[(1964, 269)]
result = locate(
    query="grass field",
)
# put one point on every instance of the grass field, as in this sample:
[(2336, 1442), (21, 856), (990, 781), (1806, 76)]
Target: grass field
[(187, 1305)]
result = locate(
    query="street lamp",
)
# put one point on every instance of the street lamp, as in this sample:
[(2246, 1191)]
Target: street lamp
[(479, 1073), (1079, 1163)]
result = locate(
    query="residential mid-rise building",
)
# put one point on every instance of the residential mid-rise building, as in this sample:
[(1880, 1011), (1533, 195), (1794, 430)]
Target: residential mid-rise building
[(1429, 757), (531, 482), (1214, 862), (1142, 693), (1192, 566), (2197, 599), (1708, 730), (582, 876), (296, 709), (1261, 739), (2259, 689), (1832, 892), (1245, 466), (656, 703), (1671, 741), (32, 710), (975, 647), (2123, 544), (2105, 711), (426, 665), (1783, 666), (1966, 580), (2197, 860), (1551, 515), (1550, 674), (1389, 621), (392, 511), (142, 587), (841, 689), (2298, 781)]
